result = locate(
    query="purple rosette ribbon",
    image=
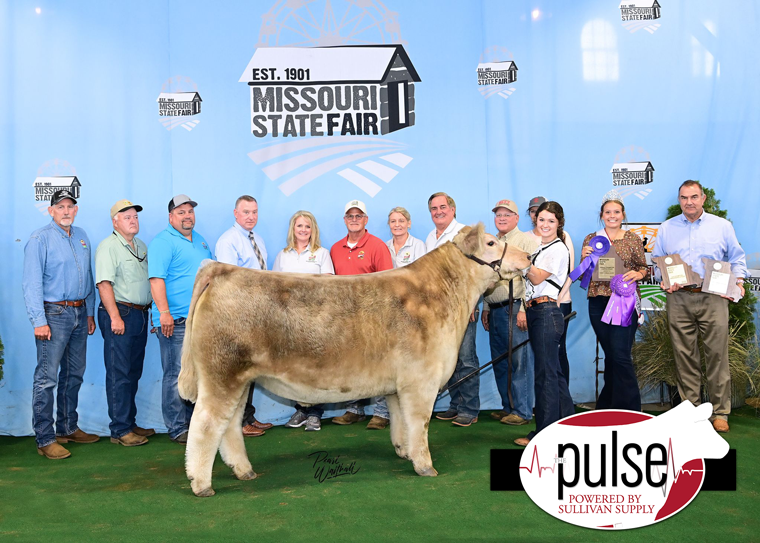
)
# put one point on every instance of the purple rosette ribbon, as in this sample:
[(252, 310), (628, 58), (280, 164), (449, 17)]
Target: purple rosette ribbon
[(622, 304), (600, 245)]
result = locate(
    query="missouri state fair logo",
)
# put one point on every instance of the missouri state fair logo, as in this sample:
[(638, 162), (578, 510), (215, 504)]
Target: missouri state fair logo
[(639, 14), (336, 104), (614, 469), (632, 171), (54, 175), (497, 72), (178, 103)]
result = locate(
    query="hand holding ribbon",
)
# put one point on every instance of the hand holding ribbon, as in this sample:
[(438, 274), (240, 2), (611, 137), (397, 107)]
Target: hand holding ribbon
[(600, 245), (622, 304)]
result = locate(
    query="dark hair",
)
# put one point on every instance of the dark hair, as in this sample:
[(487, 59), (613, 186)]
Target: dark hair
[(691, 183), (559, 213), (245, 198)]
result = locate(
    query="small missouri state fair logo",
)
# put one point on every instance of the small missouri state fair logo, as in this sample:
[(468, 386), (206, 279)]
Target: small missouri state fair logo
[(178, 103), (497, 72), (639, 14)]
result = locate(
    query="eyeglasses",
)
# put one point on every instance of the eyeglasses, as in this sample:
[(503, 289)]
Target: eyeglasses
[(505, 215), (354, 217)]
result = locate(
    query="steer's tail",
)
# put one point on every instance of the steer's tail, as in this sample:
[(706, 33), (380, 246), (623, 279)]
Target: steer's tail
[(188, 379)]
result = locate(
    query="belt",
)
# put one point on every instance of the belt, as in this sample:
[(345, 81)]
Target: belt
[(135, 306), (504, 304), (66, 303), (692, 289), (539, 300)]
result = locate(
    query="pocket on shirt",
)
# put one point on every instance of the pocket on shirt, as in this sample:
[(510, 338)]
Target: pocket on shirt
[(132, 273)]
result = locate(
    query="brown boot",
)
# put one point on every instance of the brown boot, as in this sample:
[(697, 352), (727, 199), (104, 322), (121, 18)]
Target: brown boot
[(53, 451), (130, 440), (145, 432), (261, 425), (249, 430), (77, 437), (377, 423), (348, 418)]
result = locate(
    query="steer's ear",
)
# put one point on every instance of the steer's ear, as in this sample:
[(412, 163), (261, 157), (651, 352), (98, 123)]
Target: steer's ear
[(470, 239)]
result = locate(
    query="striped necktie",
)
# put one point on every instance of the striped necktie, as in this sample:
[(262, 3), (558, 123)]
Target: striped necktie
[(260, 258)]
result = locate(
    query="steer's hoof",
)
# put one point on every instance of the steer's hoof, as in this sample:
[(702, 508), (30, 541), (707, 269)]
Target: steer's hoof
[(205, 493), (247, 476), (428, 472)]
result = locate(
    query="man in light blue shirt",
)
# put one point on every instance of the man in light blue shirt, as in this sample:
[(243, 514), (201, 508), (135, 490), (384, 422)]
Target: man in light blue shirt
[(174, 257), (241, 246), (691, 313), (60, 300)]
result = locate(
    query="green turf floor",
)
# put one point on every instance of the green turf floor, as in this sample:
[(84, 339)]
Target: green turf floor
[(106, 492)]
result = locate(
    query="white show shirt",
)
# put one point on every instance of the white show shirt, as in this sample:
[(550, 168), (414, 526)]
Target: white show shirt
[(553, 259), (317, 262), (451, 230), (412, 249)]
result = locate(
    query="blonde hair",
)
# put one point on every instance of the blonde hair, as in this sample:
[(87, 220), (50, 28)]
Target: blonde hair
[(401, 210), (313, 241)]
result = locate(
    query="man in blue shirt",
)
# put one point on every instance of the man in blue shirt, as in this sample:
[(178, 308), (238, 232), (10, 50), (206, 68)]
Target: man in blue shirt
[(691, 313), (174, 257), (60, 300), (241, 246)]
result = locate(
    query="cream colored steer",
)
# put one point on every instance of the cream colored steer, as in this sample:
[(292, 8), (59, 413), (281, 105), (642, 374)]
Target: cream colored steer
[(323, 339)]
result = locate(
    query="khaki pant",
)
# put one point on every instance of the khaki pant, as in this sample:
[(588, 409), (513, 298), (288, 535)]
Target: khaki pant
[(693, 314)]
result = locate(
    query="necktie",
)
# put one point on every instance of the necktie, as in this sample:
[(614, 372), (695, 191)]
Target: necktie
[(260, 258)]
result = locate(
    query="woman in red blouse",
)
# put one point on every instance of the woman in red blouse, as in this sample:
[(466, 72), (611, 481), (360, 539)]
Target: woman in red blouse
[(621, 389)]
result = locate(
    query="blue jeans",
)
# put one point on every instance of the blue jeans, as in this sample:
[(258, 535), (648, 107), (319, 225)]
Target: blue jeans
[(523, 395), (621, 388), (65, 350), (177, 412), (381, 408), (123, 356), (553, 401), (564, 363), (465, 397), (313, 410)]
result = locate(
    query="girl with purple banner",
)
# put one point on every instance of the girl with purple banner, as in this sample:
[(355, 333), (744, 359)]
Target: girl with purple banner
[(612, 306)]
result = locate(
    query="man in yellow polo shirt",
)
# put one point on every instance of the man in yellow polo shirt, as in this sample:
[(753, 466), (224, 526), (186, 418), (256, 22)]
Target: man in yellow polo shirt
[(121, 270)]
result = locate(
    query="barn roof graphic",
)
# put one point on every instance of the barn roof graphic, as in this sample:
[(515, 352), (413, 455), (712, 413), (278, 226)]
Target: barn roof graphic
[(639, 4), (632, 167), (178, 97), (350, 63)]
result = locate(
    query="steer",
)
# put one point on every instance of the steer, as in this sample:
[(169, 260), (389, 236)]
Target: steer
[(322, 339)]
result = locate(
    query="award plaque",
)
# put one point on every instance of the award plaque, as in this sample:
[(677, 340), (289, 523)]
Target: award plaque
[(719, 279), (675, 270), (608, 266)]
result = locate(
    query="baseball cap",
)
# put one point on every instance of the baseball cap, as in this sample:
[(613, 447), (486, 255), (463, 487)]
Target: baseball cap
[(508, 204), (358, 204), (123, 205), (180, 199), (62, 195), (537, 201)]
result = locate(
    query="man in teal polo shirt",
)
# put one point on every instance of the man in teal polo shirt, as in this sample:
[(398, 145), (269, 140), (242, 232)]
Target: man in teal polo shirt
[(174, 257)]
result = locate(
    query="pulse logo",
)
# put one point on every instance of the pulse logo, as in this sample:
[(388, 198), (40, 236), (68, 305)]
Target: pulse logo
[(619, 469)]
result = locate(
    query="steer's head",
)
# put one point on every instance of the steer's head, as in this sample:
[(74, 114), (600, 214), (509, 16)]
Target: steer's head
[(474, 242)]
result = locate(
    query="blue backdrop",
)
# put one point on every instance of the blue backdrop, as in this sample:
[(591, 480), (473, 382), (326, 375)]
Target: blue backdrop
[(79, 90)]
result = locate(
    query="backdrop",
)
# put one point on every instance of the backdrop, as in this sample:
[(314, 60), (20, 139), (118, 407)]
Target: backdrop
[(483, 99)]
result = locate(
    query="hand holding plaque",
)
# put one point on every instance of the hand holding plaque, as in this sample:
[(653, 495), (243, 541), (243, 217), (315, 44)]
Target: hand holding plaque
[(608, 266), (720, 280), (675, 270)]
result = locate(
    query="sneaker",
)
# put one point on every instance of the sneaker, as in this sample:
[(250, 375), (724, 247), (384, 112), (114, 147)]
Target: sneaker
[(498, 415), (378, 423), (464, 420), (313, 424), (448, 415), (348, 418), (298, 419), (514, 420)]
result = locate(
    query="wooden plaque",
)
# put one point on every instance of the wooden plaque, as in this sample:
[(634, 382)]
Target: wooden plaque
[(608, 266), (720, 280), (675, 270)]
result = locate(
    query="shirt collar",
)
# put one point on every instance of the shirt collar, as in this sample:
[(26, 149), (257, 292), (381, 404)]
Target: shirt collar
[(173, 231), (61, 230), (359, 243), (242, 230)]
